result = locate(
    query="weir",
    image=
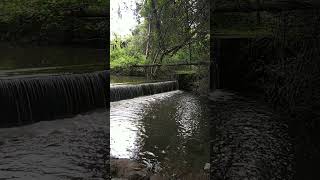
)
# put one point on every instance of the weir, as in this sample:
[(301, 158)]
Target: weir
[(122, 92), (29, 100)]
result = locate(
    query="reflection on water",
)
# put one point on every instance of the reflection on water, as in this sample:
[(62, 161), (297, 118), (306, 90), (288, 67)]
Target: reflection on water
[(30, 57), (127, 79), (69, 148), (49, 60), (168, 132)]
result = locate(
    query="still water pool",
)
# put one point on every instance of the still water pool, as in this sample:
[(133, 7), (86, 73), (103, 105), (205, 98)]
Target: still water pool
[(116, 79), (17, 61)]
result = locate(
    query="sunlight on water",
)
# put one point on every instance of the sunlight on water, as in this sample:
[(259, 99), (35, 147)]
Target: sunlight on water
[(125, 123), (167, 131)]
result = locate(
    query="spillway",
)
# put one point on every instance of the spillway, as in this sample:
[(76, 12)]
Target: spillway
[(121, 92), (29, 100)]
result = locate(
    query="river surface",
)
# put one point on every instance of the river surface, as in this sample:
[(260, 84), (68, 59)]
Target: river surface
[(166, 132), (27, 61), (70, 148), (249, 139), (66, 148), (115, 79)]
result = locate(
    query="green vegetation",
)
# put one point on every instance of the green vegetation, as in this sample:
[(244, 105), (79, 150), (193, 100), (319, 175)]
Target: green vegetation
[(125, 52), (170, 32), (53, 21)]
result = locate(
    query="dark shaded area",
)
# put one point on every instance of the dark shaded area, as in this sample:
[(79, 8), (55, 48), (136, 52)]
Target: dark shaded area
[(250, 140), (224, 6), (72, 32), (69, 148), (242, 73), (54, 89), (65, 22), (248, 71), (272, 56), (235, 65)]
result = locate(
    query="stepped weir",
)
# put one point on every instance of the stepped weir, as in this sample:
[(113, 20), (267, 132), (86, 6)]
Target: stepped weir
[(28, 100), (121, 92), (32, 99)]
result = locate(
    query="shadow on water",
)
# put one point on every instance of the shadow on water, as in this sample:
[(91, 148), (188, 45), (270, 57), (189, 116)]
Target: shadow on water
[(69, 148), (62, 84), (167, 132), (28, 100), (21, 61), (250, 139), (30, 57)]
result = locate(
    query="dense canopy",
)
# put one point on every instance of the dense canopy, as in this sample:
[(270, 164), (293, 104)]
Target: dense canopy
[(170, 31), (53, 20)]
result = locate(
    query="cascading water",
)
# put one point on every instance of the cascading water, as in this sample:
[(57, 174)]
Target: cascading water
[(28, 100), (121, 92)]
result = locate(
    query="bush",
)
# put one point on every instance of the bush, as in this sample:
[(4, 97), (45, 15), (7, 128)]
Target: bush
[(124, 56)]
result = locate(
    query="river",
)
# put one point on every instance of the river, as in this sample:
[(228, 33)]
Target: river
[(74, 147), (37, 61), (168, 133), (69, 148)]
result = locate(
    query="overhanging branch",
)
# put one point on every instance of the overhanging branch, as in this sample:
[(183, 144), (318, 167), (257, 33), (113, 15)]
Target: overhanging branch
[(267, 5)]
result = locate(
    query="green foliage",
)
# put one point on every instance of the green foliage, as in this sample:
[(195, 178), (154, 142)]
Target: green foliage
[(169, 32), (175, 25), (124, 53), (39, 20)]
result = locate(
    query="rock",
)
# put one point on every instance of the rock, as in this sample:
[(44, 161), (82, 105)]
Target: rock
[(207, 167), (128, 169), (156, 177), (138, 175)]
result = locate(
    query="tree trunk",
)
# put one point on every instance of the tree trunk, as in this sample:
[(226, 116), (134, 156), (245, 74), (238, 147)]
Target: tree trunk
[(148, 39)]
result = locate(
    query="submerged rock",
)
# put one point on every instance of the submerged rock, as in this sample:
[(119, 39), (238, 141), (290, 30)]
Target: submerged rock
[(129, 169)]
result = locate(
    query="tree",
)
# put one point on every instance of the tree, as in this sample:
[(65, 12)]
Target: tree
[(173, 25), (46, 20)]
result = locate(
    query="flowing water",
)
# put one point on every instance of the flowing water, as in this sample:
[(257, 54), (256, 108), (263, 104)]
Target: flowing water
[(121, 92), (168, 133), (69, 148), (45, 83), (53, 83), (27, 100)]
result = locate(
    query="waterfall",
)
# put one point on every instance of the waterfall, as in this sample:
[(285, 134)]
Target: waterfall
[(28, 100), (121, 92)]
